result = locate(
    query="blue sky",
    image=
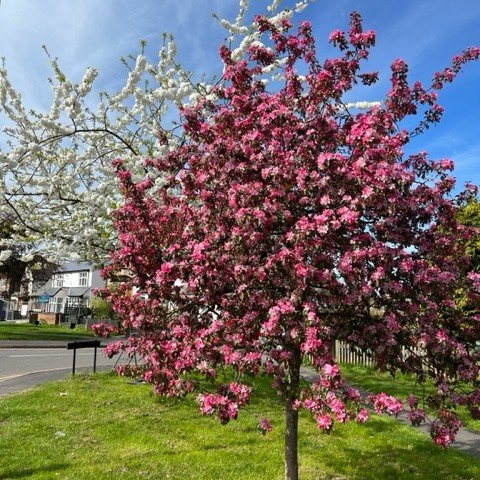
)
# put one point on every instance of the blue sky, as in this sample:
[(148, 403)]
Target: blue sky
[(97, 33)]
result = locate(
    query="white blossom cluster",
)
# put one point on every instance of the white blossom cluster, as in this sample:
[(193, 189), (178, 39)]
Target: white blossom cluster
[(56, 178)]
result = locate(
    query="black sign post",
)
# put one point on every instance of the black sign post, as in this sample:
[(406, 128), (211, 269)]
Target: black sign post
[(86, 344)]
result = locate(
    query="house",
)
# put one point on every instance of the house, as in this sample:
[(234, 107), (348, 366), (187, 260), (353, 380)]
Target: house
[(70, 288), (14, 305), (17, 279)]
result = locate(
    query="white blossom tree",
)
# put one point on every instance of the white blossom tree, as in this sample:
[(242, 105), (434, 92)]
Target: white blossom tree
[(57, 183)]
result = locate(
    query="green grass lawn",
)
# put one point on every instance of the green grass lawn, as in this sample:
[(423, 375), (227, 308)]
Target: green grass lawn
[(102, 427), (400, 386), (28, 331)]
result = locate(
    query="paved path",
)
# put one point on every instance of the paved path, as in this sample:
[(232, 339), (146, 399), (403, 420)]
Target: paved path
[(466, 440)]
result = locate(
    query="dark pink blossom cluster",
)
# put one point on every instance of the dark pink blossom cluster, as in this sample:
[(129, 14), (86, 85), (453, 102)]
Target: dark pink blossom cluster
[(449, 73), (226, 402), (264, 425), (104, 330), (287, 222), (383, 403), (444, 429), (416, 415), (114, 348), (330, 400)]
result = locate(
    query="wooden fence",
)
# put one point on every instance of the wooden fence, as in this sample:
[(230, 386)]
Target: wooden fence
[(345, 353)]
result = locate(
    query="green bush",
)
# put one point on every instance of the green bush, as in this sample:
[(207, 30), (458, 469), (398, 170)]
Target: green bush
[(102, 308)]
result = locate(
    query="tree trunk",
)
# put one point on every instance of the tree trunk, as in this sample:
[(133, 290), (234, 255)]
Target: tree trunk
[(291, 420), (291, 441)]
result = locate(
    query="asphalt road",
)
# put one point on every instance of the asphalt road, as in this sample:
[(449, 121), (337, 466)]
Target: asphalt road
[(22, 368)]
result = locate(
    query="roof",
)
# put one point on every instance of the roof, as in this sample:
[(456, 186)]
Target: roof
[(76, 291), (65, 292), (52, 291), (74, 267)]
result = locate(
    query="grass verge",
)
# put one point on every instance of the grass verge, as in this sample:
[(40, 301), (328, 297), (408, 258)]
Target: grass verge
[(400, 386), (28, 331), (102, 427)]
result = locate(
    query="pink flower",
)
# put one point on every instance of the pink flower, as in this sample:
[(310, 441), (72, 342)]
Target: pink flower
[(475, 278), (417, 416), (444, 430), (331, 370), (312, 343), (264, 425), (442, 437), (362, 415), (353, 394), (324, 422), (208, 403), (301, 270), (103, 329), (385, 403), (113, 349), (337, 37), (241, 392)]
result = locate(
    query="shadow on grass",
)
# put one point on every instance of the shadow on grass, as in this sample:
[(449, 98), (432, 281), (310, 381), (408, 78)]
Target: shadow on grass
[(263, 392), (28, 472), (380, 456)]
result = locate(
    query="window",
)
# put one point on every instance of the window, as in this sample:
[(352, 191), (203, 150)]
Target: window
[(55, 305), (83, 280), (71, 302), (57, 280)]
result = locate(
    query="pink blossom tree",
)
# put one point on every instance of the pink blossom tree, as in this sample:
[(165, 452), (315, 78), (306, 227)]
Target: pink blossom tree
[(295, 222)]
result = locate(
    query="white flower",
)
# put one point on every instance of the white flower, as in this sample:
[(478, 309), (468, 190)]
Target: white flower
[(5, 255)]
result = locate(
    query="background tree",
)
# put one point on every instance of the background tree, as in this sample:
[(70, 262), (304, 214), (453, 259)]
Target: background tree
[(16, 264), (102, 309), (469, 215), (291, 223)]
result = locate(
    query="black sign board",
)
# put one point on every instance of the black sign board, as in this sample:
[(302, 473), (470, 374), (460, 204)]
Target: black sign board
[(84, 344)]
